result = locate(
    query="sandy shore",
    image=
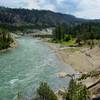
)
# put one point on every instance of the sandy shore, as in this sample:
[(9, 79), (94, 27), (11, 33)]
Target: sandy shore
[(81, 59)]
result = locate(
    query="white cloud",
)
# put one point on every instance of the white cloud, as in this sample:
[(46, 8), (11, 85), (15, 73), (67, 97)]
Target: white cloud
[(88, 9), (49, 7), (32, 4)]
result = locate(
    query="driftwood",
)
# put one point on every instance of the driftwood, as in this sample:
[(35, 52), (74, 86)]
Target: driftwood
[(96, 97), (98, 82)]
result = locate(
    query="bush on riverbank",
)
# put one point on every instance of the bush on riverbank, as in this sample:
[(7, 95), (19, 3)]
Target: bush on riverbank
[(76, 91), (45, 93), (5, 39)]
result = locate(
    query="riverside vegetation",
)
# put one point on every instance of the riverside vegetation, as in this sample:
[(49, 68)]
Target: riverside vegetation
[(5, 39), (81, 34)]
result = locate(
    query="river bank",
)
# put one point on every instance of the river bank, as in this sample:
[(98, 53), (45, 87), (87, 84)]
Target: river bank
[(12, 45), (81, 59)]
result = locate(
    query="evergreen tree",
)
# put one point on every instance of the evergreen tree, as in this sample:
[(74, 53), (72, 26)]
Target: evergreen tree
[(45, 93), (77, 91)]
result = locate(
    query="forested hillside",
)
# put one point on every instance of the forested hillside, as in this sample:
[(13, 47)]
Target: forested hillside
[(35, 17)]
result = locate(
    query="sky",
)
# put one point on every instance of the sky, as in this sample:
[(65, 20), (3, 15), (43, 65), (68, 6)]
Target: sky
[(89, 9)]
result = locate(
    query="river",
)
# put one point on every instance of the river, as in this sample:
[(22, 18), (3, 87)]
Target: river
[(23, 68)]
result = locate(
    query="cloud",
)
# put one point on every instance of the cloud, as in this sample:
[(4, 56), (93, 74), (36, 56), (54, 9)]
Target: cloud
[(31, 4), (88, 9), (79, 8)]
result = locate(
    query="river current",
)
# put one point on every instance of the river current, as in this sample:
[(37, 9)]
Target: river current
[(23, 68)]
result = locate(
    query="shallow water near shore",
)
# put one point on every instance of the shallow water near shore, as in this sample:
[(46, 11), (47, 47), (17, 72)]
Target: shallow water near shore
[(24, 67)]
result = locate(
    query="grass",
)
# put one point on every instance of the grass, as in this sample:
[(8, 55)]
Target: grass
[(72, 42), (72, 50)]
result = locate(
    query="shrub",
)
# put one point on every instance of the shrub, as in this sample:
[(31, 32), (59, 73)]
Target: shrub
[(45, 93), (76, 91)]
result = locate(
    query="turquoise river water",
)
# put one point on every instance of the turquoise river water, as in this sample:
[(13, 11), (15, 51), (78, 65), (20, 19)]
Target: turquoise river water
[(23, 68)]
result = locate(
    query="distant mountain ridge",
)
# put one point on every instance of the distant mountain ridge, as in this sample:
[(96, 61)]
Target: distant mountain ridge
[(33, 17)]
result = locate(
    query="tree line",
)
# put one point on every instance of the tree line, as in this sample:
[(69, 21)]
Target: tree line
[(81, 32), (21, 28)]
